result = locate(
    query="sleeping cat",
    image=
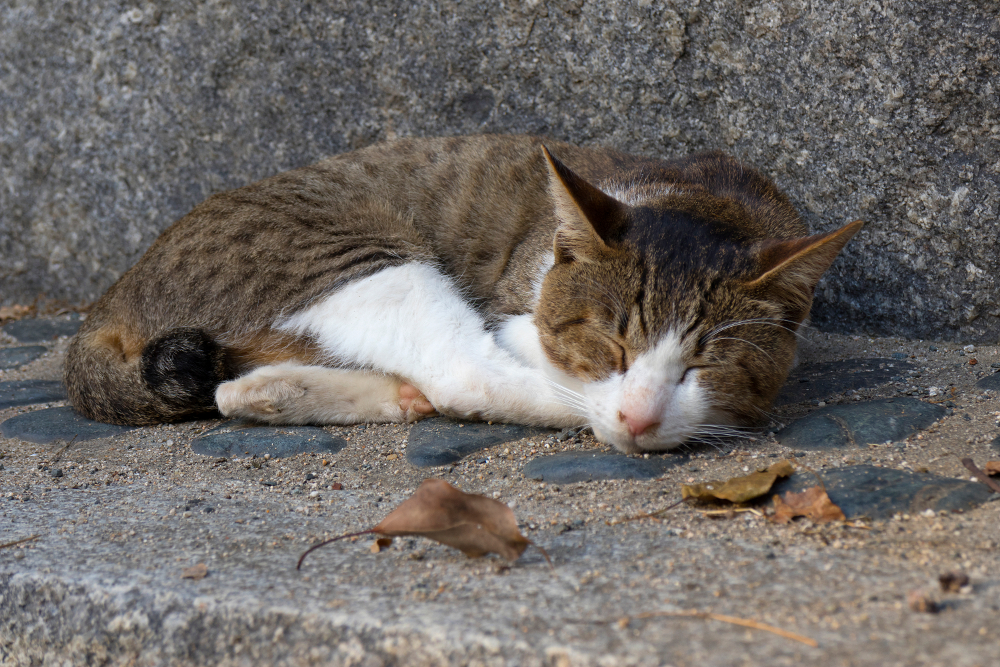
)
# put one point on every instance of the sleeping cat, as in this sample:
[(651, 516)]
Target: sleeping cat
[(490, 277)]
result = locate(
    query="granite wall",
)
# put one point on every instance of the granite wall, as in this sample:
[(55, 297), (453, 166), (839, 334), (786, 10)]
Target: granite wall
[(116, 118)]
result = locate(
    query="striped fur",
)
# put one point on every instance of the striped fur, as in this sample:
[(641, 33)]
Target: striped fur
[(551, 288)]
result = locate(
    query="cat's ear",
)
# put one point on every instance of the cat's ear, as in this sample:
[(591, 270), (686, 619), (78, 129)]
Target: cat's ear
[(588, 218), (789, 270)]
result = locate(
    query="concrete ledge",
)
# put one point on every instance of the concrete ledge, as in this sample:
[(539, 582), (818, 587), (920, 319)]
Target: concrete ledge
[(116, 120)]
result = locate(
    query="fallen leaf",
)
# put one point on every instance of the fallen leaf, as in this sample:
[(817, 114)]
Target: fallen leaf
[(473, 524), (813, 503), (380, 544), (15, 312), (992, 468), (953, 582), (919, 602), (980, 475), (195, 572), (739, 489)]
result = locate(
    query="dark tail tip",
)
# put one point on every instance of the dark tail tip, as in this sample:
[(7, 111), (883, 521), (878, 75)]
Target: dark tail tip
[(184, 367)]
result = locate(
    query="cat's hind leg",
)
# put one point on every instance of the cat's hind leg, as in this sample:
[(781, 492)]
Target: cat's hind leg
[(291, 393)]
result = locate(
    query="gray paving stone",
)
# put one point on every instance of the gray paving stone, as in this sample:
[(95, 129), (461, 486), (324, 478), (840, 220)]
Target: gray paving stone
[(878, 493), (39, 330), (30, 392), (827, 378), (990, 382), (15, 357), (569, 467), (51, 424), (440, 441), (242, 439), (852, 424)]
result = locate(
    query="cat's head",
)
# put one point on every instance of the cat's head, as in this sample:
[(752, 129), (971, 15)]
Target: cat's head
[(673, 308)]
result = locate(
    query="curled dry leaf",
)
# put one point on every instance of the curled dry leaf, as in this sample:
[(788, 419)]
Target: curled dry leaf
[(953, 582), (195, 572), (15, 312), (380, 544), (473, 524), (739, 489), (813, 503), (920, 602), (983, 477)]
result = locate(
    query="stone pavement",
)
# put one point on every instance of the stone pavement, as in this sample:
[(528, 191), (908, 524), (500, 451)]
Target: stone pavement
[(117, 516)]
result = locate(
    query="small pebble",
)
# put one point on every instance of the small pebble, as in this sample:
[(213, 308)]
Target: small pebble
[(932, 348)]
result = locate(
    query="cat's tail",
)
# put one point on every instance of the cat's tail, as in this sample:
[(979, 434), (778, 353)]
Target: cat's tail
[(111, 377)]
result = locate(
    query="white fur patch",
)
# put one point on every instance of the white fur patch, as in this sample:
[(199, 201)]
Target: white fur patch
[(410, 321)]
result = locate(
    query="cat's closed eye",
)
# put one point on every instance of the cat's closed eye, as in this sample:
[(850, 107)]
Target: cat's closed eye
[(562, 326)]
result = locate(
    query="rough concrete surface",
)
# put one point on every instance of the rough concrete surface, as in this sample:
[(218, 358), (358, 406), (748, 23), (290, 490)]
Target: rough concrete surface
[(117, 117), (119, 519)]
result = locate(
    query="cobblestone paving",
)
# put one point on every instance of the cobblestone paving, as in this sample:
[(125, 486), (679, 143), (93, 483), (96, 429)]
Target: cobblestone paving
[(119, 513)]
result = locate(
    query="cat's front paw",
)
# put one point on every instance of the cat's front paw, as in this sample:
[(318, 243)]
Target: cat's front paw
[(256, 397), (414, 404)]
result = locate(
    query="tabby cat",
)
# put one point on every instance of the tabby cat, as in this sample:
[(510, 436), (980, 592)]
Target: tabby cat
[(490, 278)]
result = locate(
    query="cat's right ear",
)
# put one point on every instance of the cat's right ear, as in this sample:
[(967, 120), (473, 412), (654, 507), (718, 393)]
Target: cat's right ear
[(588, 218)]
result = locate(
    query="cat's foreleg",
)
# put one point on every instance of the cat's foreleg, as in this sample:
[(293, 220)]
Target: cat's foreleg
[(411, 321), (291, 393)]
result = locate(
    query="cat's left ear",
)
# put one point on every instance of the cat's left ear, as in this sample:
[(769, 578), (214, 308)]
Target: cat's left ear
[(588, 218), (790, 269)]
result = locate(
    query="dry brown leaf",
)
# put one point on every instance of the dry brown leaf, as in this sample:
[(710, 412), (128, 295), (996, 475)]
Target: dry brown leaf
[(15, 312), (992, 468), (922, 603), (813, 503), (953, 582), (739, 489), (980, 475), (473, 524), (195, 572), (380, 544)]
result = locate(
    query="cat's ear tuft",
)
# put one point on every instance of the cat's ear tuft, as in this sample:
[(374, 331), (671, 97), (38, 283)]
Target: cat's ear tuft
[(790, 269), (588, 218)]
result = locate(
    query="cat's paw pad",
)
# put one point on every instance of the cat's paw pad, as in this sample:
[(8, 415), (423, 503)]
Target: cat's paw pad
[(414, 404), (259, 398)]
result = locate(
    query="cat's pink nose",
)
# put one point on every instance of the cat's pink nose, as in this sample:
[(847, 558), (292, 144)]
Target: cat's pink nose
[(637, 425)]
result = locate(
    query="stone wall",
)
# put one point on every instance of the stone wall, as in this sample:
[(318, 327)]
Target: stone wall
[(116, 118)]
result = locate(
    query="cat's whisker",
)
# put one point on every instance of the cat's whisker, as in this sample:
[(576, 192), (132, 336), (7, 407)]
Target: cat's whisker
[(565, 390), (569, 398), (769, 415), (762, 350), (761, 320)]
